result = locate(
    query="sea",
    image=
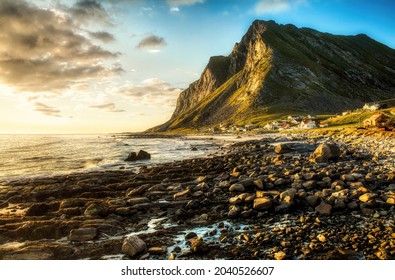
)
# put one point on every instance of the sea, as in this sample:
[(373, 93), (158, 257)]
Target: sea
[(28, 156)]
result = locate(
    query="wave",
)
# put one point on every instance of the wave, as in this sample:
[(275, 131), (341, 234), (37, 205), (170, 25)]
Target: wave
[(43, 158)]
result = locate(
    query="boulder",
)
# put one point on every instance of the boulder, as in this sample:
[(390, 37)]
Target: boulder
[(283, 148), (325, 152), (324, 209), (141, 155), (133, 245), (198, 246), (262, 203)]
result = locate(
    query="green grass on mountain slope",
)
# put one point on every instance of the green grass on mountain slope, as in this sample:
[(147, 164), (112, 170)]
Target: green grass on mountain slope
[(356, 118)]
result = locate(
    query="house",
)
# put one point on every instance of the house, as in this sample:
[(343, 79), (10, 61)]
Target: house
[(371, 106), (284, 126), (270, 126), (376, 120), (307, 124)]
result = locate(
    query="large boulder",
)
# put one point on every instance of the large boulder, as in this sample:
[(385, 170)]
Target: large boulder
[(133, 245), (283, 148), (325, 152), (141, 155)]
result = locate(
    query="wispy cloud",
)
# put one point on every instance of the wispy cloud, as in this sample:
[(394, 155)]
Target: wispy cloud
[(276, 6), (151, 41), (151, 92), (109, 107), (46, 110), (44, 50)]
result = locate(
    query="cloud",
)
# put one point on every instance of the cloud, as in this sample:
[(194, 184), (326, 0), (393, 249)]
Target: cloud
[(46, 110), (151, 41), (89, 10), (174, 9), (176, 3), (45, 50), (102, 36), (109, 107), (151, 92), (276, 6)]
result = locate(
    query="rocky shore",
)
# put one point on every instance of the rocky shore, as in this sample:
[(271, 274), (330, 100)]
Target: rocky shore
[(286, 197)]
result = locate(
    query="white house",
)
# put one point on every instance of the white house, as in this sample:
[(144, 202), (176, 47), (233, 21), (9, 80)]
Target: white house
[(371, 106), (307, 124)]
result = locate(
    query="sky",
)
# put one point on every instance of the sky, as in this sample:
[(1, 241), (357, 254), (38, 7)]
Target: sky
[(98, 66)]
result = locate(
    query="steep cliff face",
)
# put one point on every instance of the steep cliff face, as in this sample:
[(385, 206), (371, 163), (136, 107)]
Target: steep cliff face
[(281, 69)]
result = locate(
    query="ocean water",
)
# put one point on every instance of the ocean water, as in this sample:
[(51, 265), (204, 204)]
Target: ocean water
[(24, 156)]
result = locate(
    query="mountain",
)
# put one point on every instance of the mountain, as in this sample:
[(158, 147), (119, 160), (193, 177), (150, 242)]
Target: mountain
[(277, 70)]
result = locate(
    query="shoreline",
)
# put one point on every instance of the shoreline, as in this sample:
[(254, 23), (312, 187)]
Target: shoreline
[(248, 203)]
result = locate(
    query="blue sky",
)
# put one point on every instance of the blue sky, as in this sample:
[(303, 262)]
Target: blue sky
[(76, 66)]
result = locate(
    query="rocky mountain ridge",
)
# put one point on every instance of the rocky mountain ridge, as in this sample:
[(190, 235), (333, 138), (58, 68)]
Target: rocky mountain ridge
[(281, 69)]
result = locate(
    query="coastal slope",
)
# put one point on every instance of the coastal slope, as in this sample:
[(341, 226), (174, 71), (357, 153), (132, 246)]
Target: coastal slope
[(281, 69)]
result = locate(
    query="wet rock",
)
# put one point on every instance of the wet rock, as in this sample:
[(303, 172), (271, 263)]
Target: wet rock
[(190, 235), (96, 209), (133, 245), (237, 188), (262, 203), (324, 209), (325, 152), (142, 155), (198, 246), (83, 234), (283, 148)]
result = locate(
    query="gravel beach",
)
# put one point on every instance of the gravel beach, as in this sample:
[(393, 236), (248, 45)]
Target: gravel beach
[(281, 197)]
